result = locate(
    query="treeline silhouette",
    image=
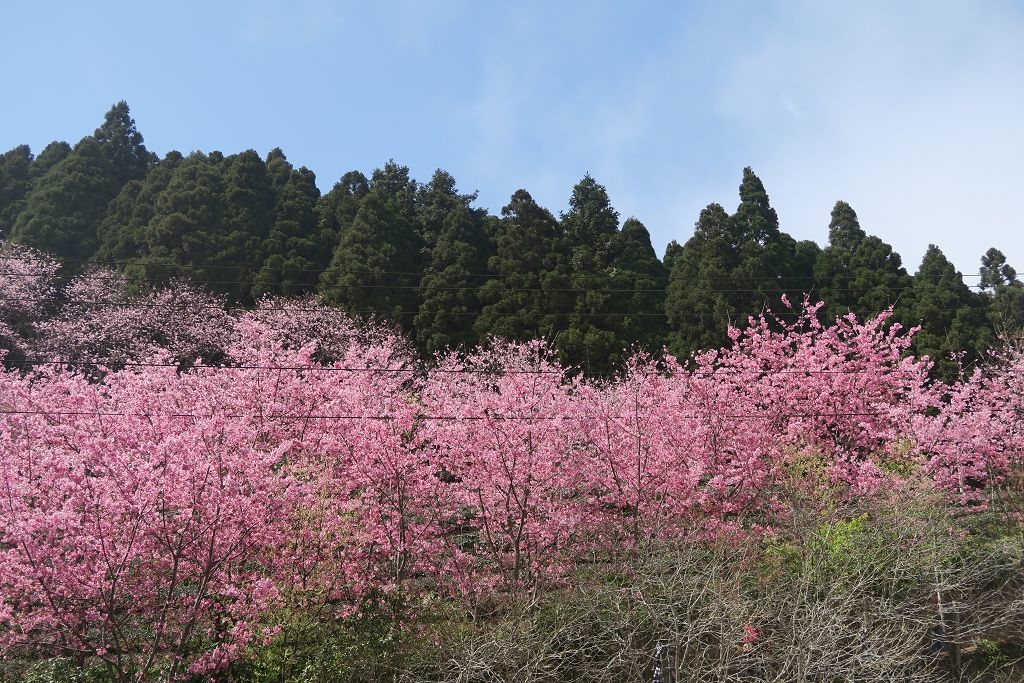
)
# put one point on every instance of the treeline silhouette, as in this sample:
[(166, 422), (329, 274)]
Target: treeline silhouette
[(450, 274)]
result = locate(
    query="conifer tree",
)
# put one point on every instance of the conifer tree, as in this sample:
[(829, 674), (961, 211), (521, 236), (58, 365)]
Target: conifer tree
[(733, 267), (249, 202), (449, 304), (516, 304), (52, 154), (122, 144), (672, 252), (374, 268), (435, 201), (120, 232), (878, 279), (951, 316), (1005, 294), (834, 268), (296, 252), (755, 221), (767, 265), (337, 209), (456, 249), (14, 182), (65, 205), (857, 272), (700, 299), (278, 168), (638, 281), (592, 337), (396, 189), (185, 233)]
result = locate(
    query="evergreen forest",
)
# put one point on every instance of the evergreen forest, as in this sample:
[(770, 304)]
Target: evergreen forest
[(420, 256)]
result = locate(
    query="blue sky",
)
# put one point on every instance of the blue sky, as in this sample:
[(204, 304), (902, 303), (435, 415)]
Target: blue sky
[(912, 112)]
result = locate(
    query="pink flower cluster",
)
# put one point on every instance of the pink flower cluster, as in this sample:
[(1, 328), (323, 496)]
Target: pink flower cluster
[(160, 517)]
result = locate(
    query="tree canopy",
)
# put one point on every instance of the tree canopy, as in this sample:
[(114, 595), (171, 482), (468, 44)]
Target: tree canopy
[(422, 256)]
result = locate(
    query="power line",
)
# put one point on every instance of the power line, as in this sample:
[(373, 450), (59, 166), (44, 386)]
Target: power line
[(471, 288), (487, 371), (256, 270), (482, 313), (454, 418)]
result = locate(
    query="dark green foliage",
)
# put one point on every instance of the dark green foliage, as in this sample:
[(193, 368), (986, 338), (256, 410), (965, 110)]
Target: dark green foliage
[(1004, 293), (834, 268), (638, 281), (278, 168), (859, 273), (374, 268), (67, 201), (14, 181), (879, 279), (700, 301), (451, 274), (755, 220), (844, 231), (296, 249), (519, 302), (592, 337), (52, 154), (733, 267), (951, 316), (337, 209), (396, 189), (249, 206), (121, 230), (591, 221), (122, 144), (456, 252), (187, 225), (448, 290), (65, 206), (435, 201), (672, 251), (768, 265)]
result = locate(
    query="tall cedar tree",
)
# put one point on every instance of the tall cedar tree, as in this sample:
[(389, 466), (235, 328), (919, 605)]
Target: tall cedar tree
[(768, 264), (638, 285), (449, 304), (879, 278), (374, 269), (14, 183), (699, 302), (834, 269), (295, 248), (733, 267), (435, 200), (52, 154), (338, 208), (65, 206), (121, 230), (593, 335), (672, 251), (1004, 293), (950, 314), (860, 273), (249, 202), (517, 303), (185, 231), (456, 249)]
